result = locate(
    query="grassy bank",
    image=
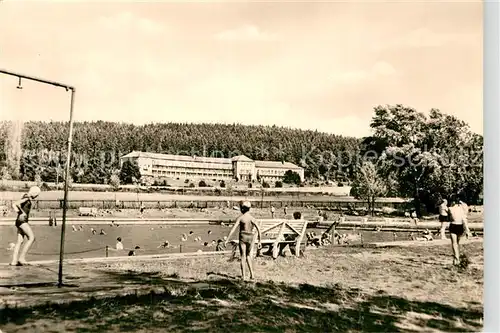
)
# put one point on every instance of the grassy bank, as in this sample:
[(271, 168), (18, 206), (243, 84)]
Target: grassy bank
[(341, 290)]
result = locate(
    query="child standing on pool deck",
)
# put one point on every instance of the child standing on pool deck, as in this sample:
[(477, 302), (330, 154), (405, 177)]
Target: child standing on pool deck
[(23, 208), (246, 222)]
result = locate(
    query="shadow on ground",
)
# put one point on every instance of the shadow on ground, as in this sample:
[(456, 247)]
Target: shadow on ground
[(225, 304)]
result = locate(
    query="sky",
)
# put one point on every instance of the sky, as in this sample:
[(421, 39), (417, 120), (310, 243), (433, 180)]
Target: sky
[(309, 65)]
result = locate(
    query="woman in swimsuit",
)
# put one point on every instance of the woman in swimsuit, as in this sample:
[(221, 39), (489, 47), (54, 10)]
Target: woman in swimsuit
[(443, 218), (246, 237), (23, 208)]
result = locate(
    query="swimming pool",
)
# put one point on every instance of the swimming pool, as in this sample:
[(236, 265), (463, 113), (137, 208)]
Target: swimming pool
[(85, 244)]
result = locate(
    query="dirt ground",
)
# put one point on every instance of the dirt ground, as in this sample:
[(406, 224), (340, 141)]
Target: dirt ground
[(184, 213), (308, 213), (336, 289)]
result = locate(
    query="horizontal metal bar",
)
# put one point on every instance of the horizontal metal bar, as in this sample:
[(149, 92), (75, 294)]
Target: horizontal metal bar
[(54, 83)]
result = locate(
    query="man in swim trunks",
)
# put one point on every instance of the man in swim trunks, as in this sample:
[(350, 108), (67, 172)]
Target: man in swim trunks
[(458, 226), (23, 208), (246, 222)]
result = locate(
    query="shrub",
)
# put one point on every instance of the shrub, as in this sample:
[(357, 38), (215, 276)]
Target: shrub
[(222, 184), (191, 185), (114, 181), (129, 172), (202, 184), (265, 185), (278, 184), (291, 177), (250, 185)]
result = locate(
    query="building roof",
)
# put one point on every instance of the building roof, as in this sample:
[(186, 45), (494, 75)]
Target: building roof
[(276, 165), (201, 159), (241, 158)]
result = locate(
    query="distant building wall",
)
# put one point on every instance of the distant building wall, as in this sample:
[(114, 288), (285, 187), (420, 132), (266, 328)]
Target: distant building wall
[(162, 166)]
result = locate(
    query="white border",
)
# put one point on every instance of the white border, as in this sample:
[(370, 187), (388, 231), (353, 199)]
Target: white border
[(491, 97)]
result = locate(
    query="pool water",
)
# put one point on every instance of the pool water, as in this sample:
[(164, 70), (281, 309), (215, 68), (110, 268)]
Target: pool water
[(84, 244)]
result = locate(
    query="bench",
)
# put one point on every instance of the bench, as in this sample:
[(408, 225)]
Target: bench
[(280, 232), (87, 211)]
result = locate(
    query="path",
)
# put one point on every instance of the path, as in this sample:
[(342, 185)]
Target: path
[(29, 286)]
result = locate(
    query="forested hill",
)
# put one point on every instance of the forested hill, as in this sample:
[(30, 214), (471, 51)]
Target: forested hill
[(93, 140)]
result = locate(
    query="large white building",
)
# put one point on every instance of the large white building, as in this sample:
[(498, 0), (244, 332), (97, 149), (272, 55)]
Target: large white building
[(163, 166)]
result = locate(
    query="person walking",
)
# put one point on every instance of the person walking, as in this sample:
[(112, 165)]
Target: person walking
[(458, 226)]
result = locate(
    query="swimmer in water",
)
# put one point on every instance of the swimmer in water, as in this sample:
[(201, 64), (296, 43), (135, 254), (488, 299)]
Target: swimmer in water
[(119, 244), (165, 244), (246, 222)]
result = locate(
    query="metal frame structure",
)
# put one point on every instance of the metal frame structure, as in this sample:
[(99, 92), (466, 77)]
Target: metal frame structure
[(68, 160)]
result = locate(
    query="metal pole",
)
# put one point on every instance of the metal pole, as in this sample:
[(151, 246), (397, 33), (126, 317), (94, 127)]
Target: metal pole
[(67, 87), (33, 78), (65, 202)]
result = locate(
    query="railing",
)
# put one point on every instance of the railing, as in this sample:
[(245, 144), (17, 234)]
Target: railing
[(332, 204)]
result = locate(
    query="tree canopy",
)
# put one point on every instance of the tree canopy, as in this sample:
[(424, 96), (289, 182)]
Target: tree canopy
[(97, 146), (291, 177), (129, 173), (427, 157), (368, 184)]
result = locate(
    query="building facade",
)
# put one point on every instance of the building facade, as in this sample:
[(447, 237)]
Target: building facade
[(164, 166)]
